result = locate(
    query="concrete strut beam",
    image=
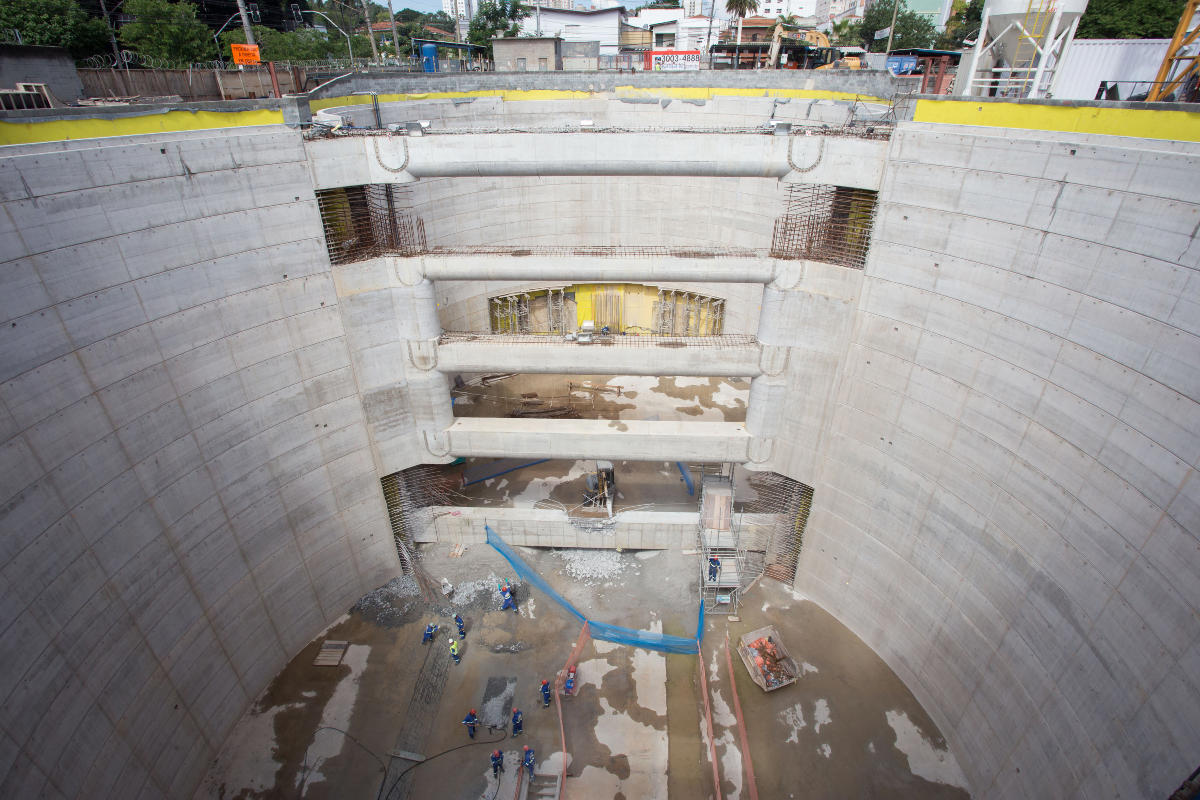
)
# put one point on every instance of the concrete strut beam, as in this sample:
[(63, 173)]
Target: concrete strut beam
[(579, 269), (555, 356), (536, 154), (631, 440)]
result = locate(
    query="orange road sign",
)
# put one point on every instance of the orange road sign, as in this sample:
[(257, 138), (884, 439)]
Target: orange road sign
[(245, 54)]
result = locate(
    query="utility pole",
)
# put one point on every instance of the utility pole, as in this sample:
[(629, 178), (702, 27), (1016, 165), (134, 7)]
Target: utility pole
[(370, 36), (892, 28), (395, 36), (245, 21), (112, 37)]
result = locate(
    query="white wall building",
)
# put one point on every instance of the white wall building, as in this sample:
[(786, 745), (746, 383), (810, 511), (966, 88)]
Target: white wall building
[(579, 26), (645, 17), (787, 8), (691, 33), (459, 9)]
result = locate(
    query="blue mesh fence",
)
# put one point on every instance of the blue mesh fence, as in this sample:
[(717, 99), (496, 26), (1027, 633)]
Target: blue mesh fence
[(650, 640)]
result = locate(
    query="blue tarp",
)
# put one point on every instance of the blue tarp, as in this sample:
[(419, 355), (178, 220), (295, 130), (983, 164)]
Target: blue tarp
[(599, 630)]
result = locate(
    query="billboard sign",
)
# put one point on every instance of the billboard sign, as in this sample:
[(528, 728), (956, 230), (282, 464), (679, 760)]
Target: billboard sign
[(245, 54), (673, 60)]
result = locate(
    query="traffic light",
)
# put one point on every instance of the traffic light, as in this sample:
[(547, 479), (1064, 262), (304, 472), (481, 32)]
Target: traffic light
[(254, 15)]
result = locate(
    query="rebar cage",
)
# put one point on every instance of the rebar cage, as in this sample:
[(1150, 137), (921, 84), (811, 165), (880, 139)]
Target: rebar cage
[(368, 221), (825, 223)]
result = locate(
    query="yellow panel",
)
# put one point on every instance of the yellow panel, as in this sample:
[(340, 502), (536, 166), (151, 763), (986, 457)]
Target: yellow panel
[(89, 128), (1145, 123)]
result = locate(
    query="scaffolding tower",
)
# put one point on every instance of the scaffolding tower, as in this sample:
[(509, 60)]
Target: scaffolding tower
[(718, 538)]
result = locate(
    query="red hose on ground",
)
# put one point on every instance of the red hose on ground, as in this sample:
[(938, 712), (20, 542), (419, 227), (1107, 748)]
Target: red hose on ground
[(747, 761), (712, 745), (559, 680)]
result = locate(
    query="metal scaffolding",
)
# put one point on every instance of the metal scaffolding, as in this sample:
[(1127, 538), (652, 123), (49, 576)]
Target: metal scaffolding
[(718, 538)]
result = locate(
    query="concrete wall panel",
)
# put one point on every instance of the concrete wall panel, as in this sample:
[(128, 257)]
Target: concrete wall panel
[(1011, 378), (188, 283)]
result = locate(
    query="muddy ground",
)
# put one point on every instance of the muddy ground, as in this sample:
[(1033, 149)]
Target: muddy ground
[(847, 728)]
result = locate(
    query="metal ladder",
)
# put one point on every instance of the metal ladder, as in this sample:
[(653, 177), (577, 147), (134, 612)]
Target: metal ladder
[(717, 535), (1029, 50)]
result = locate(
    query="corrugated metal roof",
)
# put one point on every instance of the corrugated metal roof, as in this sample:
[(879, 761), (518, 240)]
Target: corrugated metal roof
[(1090, 61)]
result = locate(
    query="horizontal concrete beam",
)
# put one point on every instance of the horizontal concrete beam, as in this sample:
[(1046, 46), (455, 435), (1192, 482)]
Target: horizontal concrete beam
[(719, 155), (716, 268), (624, 355), (710, 442), (357, 160)]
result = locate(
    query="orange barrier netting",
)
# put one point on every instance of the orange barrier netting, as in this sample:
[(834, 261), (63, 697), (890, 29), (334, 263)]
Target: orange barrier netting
[(712, 745), (747, 761)]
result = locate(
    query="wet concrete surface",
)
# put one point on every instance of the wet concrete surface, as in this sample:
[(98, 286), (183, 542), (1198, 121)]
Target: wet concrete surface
[(614, 397), (634, 729)]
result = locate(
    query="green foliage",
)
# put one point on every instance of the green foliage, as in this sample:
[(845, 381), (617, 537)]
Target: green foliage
[(912, 29), (55, 23), (305, 44), (1130, 19), (964, 23), (440, 20), (844, 32), (165, 31), (741, 8), (495, 18)]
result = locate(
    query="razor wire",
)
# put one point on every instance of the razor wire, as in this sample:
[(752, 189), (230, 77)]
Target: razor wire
[(650, 640)]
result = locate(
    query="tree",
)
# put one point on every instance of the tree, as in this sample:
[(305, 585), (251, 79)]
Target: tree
[(844, 32), (167, 32), (55, 23), (741, 9), (1130, 19), (912, 29), (493, 18), (963, 24), (304, 44)]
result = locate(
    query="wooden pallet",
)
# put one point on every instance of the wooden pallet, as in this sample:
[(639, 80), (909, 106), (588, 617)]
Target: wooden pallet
[(330, 654)]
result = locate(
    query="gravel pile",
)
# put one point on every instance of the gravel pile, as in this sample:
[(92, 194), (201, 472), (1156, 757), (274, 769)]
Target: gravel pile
[(592, 567), (388, 606), (482, 593)]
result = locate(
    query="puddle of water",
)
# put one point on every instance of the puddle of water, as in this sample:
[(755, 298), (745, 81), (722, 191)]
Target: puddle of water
[(793, 718), (924, 759), (327, 744), (821, 715)]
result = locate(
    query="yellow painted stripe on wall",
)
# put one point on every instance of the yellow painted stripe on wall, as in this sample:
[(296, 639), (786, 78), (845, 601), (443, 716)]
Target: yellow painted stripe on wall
[(91, 128), (1144, 123)]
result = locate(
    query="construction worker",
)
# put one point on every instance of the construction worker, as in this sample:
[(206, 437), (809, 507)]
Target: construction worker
[(527, 763), (454, 651), (518, 722), (714, 564), (545, 694), (509, 600), (462, 626), (570, 685), (497, 763), (470, 720), (430, 630)]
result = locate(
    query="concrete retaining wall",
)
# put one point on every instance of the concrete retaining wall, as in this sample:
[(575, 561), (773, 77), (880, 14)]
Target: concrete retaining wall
[(1008, 505), (874, 83), (188, 492)]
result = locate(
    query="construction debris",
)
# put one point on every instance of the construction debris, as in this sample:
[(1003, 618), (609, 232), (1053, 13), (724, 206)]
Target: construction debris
[(766, 659)]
